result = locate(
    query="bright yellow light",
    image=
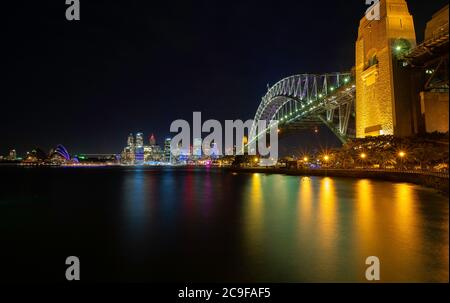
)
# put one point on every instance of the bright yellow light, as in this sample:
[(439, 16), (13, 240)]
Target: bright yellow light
[(256, 160), (305, 159), (402, 154), (326, 158), (363, 156)]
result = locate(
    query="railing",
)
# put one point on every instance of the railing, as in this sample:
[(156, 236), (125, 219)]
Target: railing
[(439, 174), (400, 171)]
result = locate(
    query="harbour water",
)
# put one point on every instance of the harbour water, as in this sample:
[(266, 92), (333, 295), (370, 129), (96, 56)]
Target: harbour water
[(199, 225)]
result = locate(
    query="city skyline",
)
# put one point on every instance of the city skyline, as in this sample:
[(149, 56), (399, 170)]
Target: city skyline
[(68, 104)]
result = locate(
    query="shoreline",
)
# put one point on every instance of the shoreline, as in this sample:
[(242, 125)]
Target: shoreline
[(435, 181)]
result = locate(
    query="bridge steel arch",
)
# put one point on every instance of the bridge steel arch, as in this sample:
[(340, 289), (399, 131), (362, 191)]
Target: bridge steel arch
[(307, 99)]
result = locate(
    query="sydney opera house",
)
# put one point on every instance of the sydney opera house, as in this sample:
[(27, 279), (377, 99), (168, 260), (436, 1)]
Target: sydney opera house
[(57, 156)]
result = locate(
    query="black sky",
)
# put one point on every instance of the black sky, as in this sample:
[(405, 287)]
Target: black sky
[(139, 65)]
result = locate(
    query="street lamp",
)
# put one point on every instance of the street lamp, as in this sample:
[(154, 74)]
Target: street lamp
[(305, 159), (326, 158), (363, 157), (402, 155)]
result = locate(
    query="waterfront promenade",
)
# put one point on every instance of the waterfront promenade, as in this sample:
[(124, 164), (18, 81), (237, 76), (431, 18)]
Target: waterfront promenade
[(432, 179)]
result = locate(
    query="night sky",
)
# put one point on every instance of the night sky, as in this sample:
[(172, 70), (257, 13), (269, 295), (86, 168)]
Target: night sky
[(131, 66)]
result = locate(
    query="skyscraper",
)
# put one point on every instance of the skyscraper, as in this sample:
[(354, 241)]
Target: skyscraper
[(152, 140), (214, 150), (197, 149), (130, 141), (139, 149), (127, 156), (167, 151)]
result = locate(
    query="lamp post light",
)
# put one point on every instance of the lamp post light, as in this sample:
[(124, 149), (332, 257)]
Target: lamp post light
[(363, 157), (326, 158), (402, 156), (305, 162)]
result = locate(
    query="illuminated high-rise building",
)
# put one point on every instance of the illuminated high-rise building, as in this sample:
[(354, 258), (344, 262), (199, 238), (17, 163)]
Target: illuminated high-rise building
[(197, 148), (130, 141), (214, 151), (167, 151), (127, 155), (153, 153), (152, 140), (139, 149), (148, 153), (157, 153)]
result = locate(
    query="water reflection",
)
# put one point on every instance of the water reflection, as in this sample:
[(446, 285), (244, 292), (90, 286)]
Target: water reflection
[(327, 229), (136, 190), (336, 224), (253, 216), (365, 238), (208, 196), (305, 208)]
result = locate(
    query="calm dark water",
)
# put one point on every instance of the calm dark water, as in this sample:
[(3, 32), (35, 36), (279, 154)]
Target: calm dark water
[(144, 225)]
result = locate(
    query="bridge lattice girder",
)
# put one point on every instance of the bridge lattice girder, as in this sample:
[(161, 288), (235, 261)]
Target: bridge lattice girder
[(304, 98)]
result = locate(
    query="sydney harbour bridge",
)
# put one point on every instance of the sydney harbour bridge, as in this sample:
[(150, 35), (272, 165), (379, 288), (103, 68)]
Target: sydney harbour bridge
[(393, 89), (306, 100)]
